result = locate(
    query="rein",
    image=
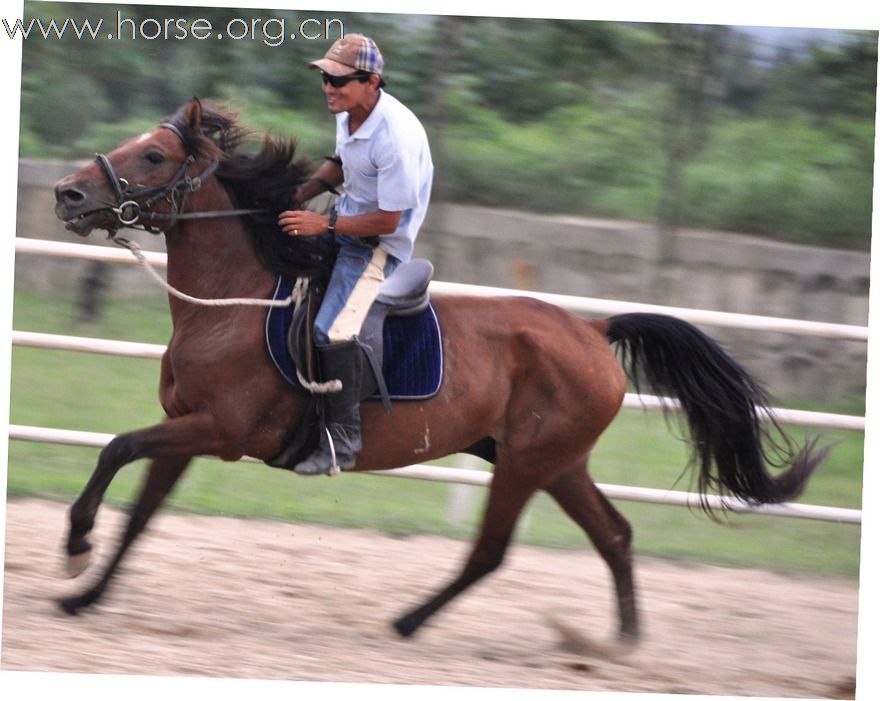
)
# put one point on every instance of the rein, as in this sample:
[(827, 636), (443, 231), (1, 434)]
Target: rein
[(130, 212)]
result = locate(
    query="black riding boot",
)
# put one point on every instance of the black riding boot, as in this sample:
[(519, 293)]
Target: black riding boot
[(345, 362)]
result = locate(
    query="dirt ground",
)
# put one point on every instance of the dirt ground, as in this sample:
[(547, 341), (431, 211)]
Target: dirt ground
[(220, 597)]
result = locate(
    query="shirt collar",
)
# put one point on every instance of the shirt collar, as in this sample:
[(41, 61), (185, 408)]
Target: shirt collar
[(365, 131)]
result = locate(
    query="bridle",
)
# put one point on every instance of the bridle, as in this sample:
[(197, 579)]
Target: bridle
[(132, 205), (130, 212)]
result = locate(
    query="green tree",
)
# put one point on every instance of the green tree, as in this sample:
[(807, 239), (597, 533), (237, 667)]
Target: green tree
[(677, 124)]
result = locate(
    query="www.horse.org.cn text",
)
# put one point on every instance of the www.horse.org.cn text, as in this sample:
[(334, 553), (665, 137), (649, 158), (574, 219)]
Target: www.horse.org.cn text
[(272, 31)]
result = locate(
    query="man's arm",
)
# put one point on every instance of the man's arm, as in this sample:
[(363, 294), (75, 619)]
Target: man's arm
[(306, 223), (328, 176), (301, 222)]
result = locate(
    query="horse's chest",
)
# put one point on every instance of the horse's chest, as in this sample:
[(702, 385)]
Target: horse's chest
[(213, 365)]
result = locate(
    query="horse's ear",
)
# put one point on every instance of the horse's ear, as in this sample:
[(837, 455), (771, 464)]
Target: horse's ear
[(194, 114)]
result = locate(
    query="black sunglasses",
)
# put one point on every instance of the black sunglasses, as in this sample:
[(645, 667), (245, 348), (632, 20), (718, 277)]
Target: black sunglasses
[(339, 81)]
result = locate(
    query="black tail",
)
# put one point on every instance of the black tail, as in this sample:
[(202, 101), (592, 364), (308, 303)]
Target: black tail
[(724, 407)]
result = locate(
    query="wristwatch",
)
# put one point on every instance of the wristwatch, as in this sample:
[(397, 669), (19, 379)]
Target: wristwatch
[(331, 226)]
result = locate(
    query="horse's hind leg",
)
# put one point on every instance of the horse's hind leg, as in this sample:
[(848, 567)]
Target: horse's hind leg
[(161, 477), (609, 531), (508, 495)]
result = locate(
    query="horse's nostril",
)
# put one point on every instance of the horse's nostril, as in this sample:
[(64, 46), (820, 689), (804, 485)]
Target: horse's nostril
[(69, 195)]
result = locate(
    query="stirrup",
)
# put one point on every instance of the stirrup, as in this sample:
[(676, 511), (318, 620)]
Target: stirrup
[(334, 466), (319, 456)]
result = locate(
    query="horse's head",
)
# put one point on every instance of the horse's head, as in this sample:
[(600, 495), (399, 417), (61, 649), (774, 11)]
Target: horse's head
[(146, 180), (143, 180)]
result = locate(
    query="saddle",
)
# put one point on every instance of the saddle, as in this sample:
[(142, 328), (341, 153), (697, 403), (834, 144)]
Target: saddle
[(400, 339)]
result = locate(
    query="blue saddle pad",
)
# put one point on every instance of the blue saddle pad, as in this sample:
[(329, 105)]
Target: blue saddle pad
[(412, 361)]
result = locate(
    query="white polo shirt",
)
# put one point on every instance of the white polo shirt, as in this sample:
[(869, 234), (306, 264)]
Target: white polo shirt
[(387, 165)]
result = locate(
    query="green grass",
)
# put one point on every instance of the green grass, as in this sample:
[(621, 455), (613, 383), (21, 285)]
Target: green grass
[(106, 394)]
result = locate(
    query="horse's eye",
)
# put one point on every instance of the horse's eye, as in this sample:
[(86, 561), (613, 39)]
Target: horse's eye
[(155, 157)]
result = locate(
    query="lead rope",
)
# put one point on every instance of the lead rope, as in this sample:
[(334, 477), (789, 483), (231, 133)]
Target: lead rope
[(296, 297)]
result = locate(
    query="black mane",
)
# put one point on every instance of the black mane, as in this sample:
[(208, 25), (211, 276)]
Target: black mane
[(265, 180)]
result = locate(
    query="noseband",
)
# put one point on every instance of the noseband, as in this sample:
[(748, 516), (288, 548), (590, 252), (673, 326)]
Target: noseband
[(132, 205)]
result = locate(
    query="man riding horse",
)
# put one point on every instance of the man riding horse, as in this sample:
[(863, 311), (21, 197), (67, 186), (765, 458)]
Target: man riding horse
[(525, 385), (383, 161)]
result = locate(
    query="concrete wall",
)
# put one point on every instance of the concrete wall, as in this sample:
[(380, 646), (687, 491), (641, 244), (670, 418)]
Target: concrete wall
[(622, 260), (636, 262)]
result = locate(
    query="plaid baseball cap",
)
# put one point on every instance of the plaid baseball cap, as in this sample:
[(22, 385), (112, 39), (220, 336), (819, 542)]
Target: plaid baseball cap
[(353, 52)]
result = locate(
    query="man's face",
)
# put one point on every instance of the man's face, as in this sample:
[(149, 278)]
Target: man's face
[(346, 97)]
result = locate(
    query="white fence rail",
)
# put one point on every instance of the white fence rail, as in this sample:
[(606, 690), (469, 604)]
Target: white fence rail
[(581, 305), (131, 349), (469, 476), (481, 478)]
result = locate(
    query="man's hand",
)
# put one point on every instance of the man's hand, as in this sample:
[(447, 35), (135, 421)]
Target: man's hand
[(296, 222), (302, 222)]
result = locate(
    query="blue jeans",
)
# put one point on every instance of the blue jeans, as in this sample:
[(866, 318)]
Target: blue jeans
[(354, 284)]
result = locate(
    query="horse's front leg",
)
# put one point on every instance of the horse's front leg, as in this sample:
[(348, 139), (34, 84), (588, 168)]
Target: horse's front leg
[(161, 477), (179, 438)]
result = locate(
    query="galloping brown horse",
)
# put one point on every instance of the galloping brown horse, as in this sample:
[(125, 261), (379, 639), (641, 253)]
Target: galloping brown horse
[(526, 385)]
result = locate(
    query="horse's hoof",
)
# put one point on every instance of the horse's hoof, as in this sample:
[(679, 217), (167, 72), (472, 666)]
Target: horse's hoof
[(406, 626), (77, 564), (628, 640), (71, 605)]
